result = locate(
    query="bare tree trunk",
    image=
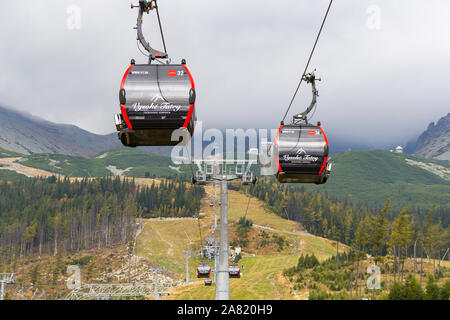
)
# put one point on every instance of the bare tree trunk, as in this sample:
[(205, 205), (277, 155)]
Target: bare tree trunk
[(439, 261), (360, 284), (395, 263), (55, 251), (361, 278), (434, 267), (403, 262), (415, 257), (106, 234), (421, 267), (402, 273), (129, 267), (351, 284), (357, 277), (337, 253), (400, 264)]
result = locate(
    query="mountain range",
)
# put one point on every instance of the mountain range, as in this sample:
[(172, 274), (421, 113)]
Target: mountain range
[(434, 142), (373, 176), (27, 134)]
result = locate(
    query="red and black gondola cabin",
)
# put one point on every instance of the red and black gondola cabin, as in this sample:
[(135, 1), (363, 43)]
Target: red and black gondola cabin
[(302, 154), (155, 100), (234, 271), (203, 270)]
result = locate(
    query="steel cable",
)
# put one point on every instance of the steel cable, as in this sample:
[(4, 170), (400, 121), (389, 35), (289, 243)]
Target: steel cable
[(309, 60)]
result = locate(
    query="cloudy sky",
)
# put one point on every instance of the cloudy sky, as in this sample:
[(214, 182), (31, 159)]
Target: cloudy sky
[(385, 64)]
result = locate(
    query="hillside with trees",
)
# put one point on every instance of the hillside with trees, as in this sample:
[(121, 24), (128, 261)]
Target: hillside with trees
[(345, 221), (119, 161), (47, 216), (370, 177)]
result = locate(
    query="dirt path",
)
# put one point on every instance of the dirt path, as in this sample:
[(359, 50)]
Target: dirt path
[(296, 232), (171, 219), (12, 165), (170, 249)]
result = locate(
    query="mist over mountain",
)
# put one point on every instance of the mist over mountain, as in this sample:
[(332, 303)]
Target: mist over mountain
[(29, 134), (337, 142)]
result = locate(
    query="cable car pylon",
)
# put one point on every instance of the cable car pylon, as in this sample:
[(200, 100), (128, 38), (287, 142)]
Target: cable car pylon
[(220, 174)]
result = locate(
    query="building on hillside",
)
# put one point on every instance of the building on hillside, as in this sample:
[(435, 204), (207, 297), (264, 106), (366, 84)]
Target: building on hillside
[(398, 149)]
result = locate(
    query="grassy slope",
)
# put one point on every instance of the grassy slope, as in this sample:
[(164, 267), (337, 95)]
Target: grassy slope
[(8, 174), (262, 280), (162, 241), (11, 175), (9, 154), (137, 160), (373, 176)]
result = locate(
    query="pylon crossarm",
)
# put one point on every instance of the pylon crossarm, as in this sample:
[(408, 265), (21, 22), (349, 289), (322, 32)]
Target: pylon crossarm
[(7, 278), (125, 290)]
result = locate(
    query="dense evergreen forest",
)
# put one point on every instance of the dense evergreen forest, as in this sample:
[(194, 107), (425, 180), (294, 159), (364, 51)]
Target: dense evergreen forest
[(170, 198), (39, 216)]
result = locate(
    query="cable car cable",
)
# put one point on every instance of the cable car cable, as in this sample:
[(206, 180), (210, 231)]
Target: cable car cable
[(160, 27), (195, 195), (248, 203), (309, 60)]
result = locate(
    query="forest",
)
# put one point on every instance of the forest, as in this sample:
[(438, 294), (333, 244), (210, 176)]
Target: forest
[(170, 198), (51, 216), (48, 216), (337, 278), (377, 231)]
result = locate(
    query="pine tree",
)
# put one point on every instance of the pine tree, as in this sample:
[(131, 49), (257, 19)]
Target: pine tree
[(413, 289), (400, 239), (432, 290), (359, 244), (397, 292), (35, 276), (377, 229), (432, 237), (445, 291)]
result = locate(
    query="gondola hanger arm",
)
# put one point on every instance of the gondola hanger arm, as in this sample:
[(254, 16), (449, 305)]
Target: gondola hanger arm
[(309, 78), (145, 7)]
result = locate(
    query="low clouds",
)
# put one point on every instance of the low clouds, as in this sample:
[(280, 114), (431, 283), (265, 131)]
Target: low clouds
[(382, 86)]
